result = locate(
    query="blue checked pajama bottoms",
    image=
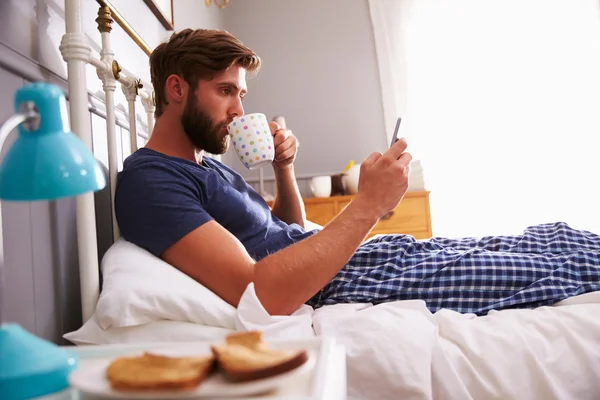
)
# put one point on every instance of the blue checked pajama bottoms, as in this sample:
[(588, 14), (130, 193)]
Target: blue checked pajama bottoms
[(544, 265)]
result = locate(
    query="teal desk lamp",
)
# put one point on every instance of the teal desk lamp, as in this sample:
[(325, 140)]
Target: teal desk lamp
[(46, 162)]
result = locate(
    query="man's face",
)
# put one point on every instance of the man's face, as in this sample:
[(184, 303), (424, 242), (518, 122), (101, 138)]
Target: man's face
[(212, 106)]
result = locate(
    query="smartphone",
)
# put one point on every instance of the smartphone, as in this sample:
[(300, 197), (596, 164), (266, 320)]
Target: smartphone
[(395, 137)]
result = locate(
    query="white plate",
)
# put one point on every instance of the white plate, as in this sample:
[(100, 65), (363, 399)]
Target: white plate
[(90, 378)]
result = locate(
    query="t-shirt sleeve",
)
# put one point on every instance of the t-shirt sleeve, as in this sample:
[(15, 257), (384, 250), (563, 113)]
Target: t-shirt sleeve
[(157, 205)]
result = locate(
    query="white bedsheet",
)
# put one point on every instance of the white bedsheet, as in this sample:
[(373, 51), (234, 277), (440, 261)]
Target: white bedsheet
[(400, 350)]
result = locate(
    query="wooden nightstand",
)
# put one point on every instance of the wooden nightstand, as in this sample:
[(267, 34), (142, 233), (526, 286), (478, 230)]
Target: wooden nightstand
[(410, 217)]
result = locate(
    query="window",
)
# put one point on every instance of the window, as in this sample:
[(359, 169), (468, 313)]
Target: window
[(501, 101)]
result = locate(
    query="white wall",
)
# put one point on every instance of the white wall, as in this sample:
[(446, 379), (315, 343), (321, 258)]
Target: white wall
[(319, 71), (194, 14)]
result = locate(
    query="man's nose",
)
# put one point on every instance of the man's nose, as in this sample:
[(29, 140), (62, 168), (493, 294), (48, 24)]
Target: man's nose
[(237, 109)]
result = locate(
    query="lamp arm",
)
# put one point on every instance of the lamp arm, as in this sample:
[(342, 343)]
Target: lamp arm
[(29, 115), (9, 125), (5, 130)]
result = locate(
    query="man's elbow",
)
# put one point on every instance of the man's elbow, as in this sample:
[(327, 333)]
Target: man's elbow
[(276, 296), (278, 308), (275, 302)]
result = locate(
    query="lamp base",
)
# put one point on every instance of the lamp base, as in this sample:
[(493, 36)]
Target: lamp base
[(31, 366)]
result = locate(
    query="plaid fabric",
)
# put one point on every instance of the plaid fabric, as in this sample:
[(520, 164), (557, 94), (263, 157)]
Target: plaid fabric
[(546, 264)]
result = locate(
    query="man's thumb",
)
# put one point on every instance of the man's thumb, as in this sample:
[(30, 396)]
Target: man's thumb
[(274, 127)]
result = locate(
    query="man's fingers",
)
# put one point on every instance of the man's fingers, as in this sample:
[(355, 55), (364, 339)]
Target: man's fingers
[(286, 146), (280, 137), (289, 153), (283, 144), (405, 160), (397, 149), (373, 157)]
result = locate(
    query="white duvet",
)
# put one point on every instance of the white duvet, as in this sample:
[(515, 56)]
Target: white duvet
[(400, 350)]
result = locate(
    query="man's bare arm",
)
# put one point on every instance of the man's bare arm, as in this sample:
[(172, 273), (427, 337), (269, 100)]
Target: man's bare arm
[(288, 278), (288, 205), (283, 280)]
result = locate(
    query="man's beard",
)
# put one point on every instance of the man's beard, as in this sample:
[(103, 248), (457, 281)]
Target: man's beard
[(202, 131)]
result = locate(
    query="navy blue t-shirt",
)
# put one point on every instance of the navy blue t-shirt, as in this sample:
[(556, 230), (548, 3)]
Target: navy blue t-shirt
[(159, 199)]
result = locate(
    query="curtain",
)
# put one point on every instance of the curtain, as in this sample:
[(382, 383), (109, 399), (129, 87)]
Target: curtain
[(500, 101)]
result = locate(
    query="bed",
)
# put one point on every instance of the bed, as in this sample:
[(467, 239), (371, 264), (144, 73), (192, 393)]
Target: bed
[(394, 350)]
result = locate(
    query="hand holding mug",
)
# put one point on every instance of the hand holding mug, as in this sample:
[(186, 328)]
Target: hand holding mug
[(286, 146)]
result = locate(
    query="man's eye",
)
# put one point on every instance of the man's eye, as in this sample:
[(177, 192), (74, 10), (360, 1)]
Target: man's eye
[(242, 98), (226, 91)]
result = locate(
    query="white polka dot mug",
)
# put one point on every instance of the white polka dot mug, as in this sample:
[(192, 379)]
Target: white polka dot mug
[(252, 140)]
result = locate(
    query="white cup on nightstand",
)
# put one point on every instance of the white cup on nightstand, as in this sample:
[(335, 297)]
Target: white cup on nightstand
[(320, 186)]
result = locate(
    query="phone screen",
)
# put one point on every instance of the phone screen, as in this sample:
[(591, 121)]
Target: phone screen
[(395, 137)]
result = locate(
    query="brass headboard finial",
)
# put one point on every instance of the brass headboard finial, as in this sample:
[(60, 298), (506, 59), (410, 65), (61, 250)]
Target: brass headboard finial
[(118, 18), (116, 69), (138, 85), (104, 19), (222, 4)]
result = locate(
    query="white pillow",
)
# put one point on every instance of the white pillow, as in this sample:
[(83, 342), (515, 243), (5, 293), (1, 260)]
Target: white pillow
[(139, 288), (153, 332)]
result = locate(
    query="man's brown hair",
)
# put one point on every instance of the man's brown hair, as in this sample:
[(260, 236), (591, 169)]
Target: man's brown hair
[(196, 54)]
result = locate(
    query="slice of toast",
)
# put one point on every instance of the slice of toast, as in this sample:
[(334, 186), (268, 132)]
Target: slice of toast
[(155, 372), (245, 357), (251, 339)]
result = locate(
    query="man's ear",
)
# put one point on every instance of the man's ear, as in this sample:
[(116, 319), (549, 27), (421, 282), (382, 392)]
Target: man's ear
[(176, 89)]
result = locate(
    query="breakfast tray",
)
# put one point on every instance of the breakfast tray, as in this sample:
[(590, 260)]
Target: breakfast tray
[(324, 376)]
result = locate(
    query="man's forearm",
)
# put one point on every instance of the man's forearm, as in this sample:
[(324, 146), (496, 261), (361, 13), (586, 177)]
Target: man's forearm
[(288, 205), (288, 278)]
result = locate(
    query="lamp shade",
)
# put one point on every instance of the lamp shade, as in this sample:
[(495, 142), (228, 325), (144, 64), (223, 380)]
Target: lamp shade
[(30, 366), (47, 161)]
